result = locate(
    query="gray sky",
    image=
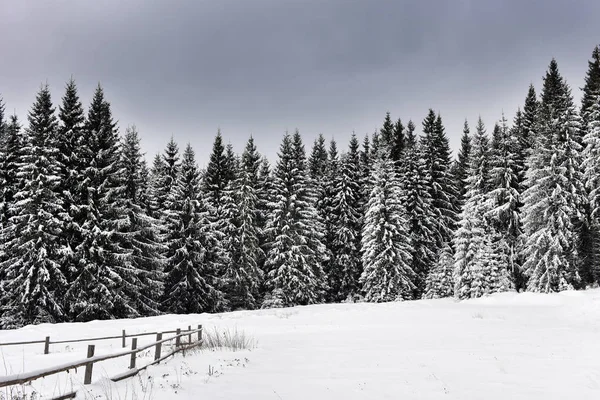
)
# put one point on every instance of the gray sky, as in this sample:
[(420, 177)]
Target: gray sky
[(187, 67)]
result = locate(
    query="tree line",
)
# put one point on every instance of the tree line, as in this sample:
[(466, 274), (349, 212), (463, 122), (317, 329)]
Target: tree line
[(90, 231)]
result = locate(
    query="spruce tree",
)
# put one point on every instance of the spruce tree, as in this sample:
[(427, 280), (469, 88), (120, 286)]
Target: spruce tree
[(530, 119), (461, 165), (295, 251), (10, 157), (97, 290), (386, 247), (35, 283), (386, 135), (154, 187), (141, 236), (435, 150), (505, 196), (554, 194), (345, 267), (191, 273), (591, 166), (478, 268), (440, 280), (243, 275), (420, 213), (72, 162), (589, 245), (166, 172), (398, 143), (317, 161)]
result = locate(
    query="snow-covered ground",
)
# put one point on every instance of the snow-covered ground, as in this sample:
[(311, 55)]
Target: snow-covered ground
[(507, 346)]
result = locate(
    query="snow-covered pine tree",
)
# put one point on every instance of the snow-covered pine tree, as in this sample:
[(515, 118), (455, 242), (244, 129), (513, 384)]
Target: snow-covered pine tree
[(553, 196), (243, 276), (398, 143), (386, 246), (435, 150), (477, 265), (154, 187), (345, 266), (140, 232), (263, 210), (440, 280), (420, 214), (231, 164), (589, 243), (96, 291), (317, 161), (35, 283), (326, 214), (591, 166), (191, 282), (295, 251), (386, 135), (365, 168), (165, 172), (10, 182), (530, 118), (71, 159), (3, 125), (505, 196), (461, 166)]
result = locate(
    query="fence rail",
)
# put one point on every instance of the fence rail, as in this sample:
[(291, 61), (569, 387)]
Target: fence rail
[(47, 342), (89, 362)]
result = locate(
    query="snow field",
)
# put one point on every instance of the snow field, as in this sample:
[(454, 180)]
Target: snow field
[(506, 346)]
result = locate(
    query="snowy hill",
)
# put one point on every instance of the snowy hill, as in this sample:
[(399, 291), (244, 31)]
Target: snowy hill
[(507, 346)]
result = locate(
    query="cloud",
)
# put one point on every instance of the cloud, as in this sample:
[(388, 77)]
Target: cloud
[(185, 68)]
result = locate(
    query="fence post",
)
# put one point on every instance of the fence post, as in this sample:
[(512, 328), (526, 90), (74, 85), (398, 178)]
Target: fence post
[(199, 333), (133, 355), (158, 346), (190, 335), (89, 366), (47, 345), (124, 339), (178, 338)]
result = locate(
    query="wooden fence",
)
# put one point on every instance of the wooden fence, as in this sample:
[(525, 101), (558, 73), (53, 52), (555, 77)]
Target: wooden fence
[(194, 337)]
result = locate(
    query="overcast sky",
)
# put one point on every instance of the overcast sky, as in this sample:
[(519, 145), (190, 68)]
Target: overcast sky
[(261, 67)]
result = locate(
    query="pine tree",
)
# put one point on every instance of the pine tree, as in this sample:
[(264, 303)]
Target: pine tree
[(243, 275), (166, 172), (295, 253), (505, 196), (553, 195), (398, 143), (34, 281), (478, 268), (440, 280), (435, 150), (591, 165), (591, 89), (71, 160), (156, 173), (386, 135), (386, 247), (461, 165), (96, 291), (345, 267), (140, 231), (530, 119), (191, 281), (317, 162), (589, 243), (420, 213), (10, 182)]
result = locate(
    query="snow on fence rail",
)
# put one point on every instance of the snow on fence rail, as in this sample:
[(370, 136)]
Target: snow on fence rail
[(88, 362), (47, 342)]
